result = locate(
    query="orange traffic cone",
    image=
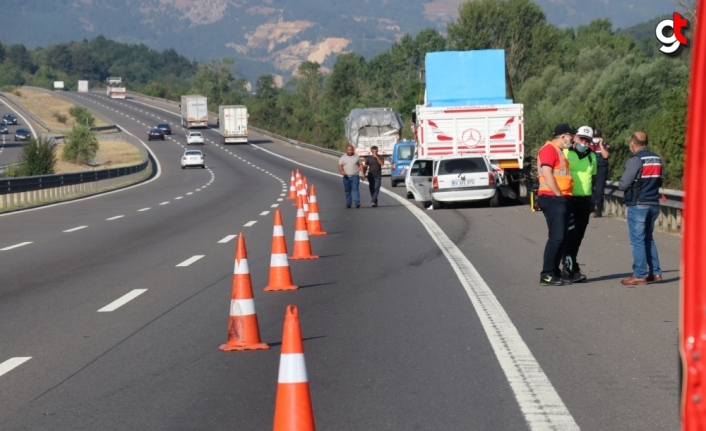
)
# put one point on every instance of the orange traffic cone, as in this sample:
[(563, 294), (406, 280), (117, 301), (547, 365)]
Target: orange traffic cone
[(292, 188), (305, 201), (243, 330), (280, 276), (313, 224), (293, 409), (302, 246), (298, 186)]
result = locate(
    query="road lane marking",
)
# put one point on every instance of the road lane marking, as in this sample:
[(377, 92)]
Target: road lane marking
[(274, 205), (122, 300), (144, 209), (280, 200), (250, 223), (227, 239), (264, 213), (164, 203), (539, 402), (16, 245), (191, 260), (13, 363), (178, 197), (116, 217), (76, 228)]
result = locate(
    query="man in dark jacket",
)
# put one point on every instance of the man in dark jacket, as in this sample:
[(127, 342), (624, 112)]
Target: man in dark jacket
[(602, 150), (640, 183)]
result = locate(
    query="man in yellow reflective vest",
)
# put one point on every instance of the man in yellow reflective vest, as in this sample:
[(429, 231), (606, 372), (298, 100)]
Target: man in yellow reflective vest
[(553, 197), (584, 166)]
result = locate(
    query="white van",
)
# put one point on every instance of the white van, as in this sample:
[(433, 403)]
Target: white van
[(453, 178)]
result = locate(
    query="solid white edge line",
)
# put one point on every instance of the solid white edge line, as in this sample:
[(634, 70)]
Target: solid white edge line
[(539, 402), (250, 223), (159, 174), (16, 245), (191, 260), (227, 239), (122, 300), (13, 363)]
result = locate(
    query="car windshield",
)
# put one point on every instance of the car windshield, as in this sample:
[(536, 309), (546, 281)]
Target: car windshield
[(195, 134), (156, 130), (165, 126), (22, 131), (462, 166), (405, 152), (192, 153)]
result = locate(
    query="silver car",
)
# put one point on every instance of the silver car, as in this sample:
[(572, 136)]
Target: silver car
[(193, 158)]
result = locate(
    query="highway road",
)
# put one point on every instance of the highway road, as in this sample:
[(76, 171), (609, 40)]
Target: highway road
[(10, 150), (412, 319)]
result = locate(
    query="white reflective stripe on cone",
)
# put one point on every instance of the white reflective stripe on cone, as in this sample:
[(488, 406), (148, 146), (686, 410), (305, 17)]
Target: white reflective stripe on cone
[(312, 199), (300, 212), (242, 307), (313, 216), (301, 235), (292, 368), (241, 267), (278, 231), (279, 260)]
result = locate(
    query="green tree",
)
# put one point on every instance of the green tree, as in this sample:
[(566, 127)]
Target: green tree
[(215, 80), (38, 157), (81, 145), (19, 57)]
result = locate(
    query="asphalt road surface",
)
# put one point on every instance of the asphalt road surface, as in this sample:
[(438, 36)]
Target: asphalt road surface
[(412, 319)]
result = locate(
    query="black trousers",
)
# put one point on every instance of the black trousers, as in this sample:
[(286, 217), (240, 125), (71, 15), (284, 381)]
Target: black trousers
[(599, 188), (581, 209), (556, 210)]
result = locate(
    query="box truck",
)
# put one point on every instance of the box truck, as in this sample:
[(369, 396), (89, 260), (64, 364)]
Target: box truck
[(233, 124), (194, 111), (83, 86)]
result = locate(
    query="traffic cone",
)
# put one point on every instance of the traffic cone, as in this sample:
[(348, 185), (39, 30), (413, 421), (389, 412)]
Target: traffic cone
[(302, 246), (280, 276), (243, 330), (292, 188), (298, 187), (313, 224), (293, 409)]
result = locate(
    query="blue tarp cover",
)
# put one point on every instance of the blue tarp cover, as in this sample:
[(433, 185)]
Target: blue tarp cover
[(466, 78)]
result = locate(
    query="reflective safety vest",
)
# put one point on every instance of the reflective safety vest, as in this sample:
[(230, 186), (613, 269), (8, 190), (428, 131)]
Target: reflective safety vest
[(562, 175)]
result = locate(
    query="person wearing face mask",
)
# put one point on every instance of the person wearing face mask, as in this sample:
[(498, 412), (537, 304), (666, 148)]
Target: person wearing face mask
[(553, 197), (583, 168), (602, 150), (640, 183)]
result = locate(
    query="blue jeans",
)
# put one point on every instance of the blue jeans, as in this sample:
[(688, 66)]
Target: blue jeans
[(641, 223), (350, 185), (374, 187)]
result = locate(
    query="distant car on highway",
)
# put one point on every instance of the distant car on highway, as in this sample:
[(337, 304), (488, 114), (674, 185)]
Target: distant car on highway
[(9, 119), (164, 127), (193, 158), (4, 129), (22, 135), (155, 134), (194, 138)]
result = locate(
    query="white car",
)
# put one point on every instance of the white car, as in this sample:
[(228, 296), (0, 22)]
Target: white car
[(193, 158), (194, 138), (453, 178)]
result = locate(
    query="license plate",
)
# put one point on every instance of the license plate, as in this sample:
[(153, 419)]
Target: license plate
[(463, 183)]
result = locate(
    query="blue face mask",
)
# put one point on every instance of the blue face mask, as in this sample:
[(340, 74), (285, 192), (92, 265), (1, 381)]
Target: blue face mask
[(581, 148)]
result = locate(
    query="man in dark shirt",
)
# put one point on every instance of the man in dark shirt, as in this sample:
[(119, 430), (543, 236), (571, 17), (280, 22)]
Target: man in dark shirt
[(372, 169), (602, 150)]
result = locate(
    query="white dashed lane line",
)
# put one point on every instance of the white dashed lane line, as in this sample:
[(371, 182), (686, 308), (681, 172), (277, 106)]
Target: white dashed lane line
[(122, 300), (16, 245), (164, 203), (227, 239), (250, 223), (144, 209), (13, 363), (264, 213), (190, 260), (274, 205), (115, 218), (75, 229)]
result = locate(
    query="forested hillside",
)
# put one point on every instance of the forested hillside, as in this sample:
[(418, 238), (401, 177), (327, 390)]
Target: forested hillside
[(589, 75)]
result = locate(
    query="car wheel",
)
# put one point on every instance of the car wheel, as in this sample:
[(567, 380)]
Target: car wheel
[(409, 195), (183, 167), (393, 183), (203, 166), (496, 200), (425, 204), (435, 204)]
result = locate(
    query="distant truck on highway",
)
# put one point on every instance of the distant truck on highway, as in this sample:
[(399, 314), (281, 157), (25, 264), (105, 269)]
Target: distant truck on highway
[(368, 127), (233, 124), (466, 112), (194, 111), (115, 89), (83, 86)]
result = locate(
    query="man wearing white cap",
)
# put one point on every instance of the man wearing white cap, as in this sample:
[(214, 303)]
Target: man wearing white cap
[(583, 166)]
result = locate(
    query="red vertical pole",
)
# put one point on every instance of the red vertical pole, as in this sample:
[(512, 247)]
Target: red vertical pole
[(693, 254)]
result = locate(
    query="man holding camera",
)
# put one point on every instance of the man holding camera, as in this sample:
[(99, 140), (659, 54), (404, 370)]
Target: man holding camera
[(372, 170), (349, 167), (602, 150)]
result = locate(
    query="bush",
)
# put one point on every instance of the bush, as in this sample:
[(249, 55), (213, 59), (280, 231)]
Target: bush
[(82, 116), (81, 145), (12, 171), (38, 158), (60, 117)]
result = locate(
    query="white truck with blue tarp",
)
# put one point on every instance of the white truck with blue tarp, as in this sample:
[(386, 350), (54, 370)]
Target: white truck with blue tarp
[(466, 111)]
